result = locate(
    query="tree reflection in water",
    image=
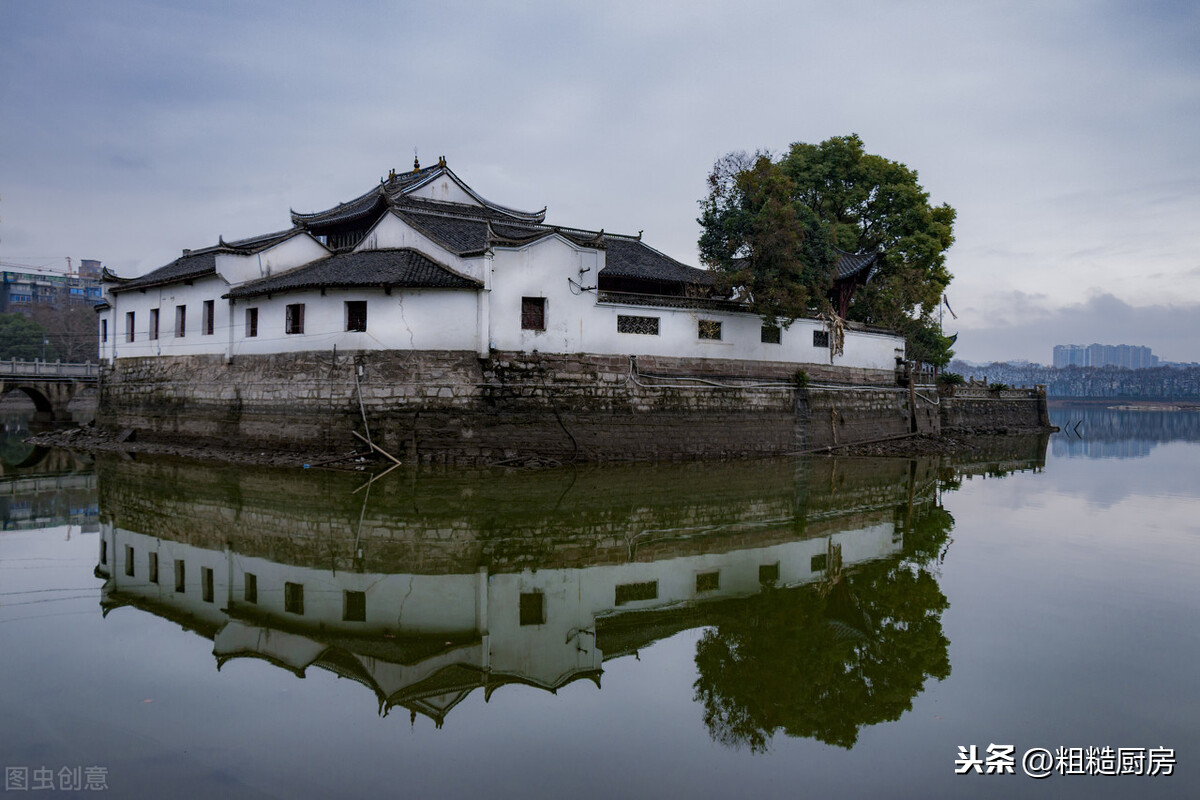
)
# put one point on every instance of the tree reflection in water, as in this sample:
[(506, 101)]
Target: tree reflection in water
[(822, 661)]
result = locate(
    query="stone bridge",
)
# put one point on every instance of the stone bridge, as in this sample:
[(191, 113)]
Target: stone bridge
[(50, 385)]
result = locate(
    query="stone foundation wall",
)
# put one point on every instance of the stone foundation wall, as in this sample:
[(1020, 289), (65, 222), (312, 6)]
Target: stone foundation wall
[(439, 407), (973, 408)]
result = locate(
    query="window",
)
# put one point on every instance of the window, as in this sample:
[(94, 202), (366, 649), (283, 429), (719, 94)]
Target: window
[(633, 592), (180, 321), (771, 334), (709, 329), (533, 608), (643, 325), (103, 331), (250, 590), (295, 318), (768, 573), (533, 313), (356, 315), (818, 562), (154, 323), (129, 560), (708, 581), (293, 598), (153, 565), (251, 322), (820, 338), (354, 606), (206, 584), (104, 551), (129, 326), (180, 576), (206, 321)]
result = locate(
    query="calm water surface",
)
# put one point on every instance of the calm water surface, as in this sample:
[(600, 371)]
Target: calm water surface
[(825, 627)]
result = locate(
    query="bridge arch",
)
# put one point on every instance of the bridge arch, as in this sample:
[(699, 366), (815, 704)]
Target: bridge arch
[(40, 401)]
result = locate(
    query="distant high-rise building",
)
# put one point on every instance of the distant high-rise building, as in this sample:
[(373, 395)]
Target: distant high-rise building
[(1104, 355)]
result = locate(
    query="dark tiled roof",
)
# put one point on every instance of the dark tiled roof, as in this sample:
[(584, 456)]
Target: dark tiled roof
[(630, 258), (199, 263), (400, 268), (849, 265), (365, 204), (391, 192), (188, 267)]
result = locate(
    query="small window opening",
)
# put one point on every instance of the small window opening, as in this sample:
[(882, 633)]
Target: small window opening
[(533, 313), (356, 315), (533, 608)]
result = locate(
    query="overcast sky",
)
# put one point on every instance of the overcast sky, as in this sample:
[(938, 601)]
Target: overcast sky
[(1066, 134)]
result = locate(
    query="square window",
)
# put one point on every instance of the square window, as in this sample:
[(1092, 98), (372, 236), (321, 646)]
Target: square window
[(820, 338), (153, 567), (129, 560), (356, 315), (708, 581), (250, 590), (633, 592), (129, 326), (251, 322), (154, 323), (768, 574), (180, 321), (206, 584), (533, 313), (533, 608), (207, 321), (647, 326), (354, 606), (295, 318), (709, 329), (771, 334), (818, 562), (180, 576), (293, 598)]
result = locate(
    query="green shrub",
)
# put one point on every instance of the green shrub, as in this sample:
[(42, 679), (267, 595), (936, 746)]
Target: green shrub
[(950, 379), (998, 387), (800, 379)]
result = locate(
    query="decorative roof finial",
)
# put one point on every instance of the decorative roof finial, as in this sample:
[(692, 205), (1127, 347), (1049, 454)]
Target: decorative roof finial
[(416, 163), (442, 161)]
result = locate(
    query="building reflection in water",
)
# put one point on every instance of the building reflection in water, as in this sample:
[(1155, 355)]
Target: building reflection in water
[(813, 579)]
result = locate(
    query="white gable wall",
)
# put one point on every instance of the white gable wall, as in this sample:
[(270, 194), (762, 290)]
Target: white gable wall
[(393, 233), (295, 252), (445, 189)]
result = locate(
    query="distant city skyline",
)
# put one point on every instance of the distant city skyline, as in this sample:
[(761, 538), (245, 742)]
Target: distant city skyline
[(1104, 355)]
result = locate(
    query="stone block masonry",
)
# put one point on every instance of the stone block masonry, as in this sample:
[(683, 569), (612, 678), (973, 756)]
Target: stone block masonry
[(453, 407)]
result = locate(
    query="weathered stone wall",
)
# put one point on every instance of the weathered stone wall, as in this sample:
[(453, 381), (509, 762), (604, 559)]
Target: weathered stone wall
[(973, 408), (455, 407)]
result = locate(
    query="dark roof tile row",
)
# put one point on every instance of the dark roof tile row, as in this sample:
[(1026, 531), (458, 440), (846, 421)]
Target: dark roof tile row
[(399, 268)]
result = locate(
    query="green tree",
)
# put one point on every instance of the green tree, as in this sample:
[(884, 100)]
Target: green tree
[(23, 338), (770, 226), (824, 664)]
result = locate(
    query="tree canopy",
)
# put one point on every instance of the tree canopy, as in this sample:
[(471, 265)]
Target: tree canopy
[(772, 227), (21, 337)]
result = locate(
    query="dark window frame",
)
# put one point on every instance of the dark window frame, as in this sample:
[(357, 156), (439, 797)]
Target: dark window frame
[(180, 321), (129, 326), (771, 334), (208, 318), (821, 339), (356, 316), (153, 323), (632, 323), (354, 606), (533, 313), (293, 322), (251, 322)]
